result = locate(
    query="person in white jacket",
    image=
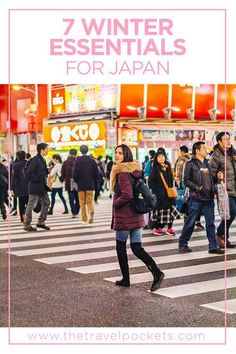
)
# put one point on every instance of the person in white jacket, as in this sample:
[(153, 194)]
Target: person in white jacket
[(57, 186)]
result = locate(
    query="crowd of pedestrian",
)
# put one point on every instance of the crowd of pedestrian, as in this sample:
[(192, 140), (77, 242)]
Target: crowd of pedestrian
[(188, 189)]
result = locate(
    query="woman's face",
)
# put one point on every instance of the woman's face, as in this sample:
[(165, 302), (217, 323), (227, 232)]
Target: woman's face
[(119, 157), (54, 161), (161, 159)]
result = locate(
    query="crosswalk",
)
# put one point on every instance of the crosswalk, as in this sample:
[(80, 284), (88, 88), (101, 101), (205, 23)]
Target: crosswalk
[(90, 249)]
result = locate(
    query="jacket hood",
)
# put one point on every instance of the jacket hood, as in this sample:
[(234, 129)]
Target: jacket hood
[(133, 167)]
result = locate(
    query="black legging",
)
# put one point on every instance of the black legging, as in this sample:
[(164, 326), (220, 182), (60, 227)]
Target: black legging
[(60, 193), (160, 226)]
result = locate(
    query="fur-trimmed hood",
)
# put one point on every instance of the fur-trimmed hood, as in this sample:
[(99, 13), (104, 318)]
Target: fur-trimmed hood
[(127, 167)]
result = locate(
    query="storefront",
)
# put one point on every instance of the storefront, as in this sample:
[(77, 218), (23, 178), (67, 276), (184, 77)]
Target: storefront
[(82, 114), (141, 138), (169, 116)]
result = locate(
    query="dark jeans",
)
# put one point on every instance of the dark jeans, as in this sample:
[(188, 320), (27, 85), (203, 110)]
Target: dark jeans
[(22, 205), (53, 197), (195, 207), (221, 227), (74, 202), (97, 193), (15, 203)]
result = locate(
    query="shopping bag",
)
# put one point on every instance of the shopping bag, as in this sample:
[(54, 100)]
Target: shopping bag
[(51, 180), (223, 201), (180, 199), (73, 185)]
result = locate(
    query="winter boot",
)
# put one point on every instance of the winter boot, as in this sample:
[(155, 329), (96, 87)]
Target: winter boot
[(123, 262), (158, 275)]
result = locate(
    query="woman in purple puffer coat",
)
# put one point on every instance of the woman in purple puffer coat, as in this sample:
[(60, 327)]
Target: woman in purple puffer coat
[(125, 220)]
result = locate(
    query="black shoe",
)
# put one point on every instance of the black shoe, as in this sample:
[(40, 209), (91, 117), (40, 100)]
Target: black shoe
[(74, 216), (230, 245), (30, 228), (157, 282), (198, 225), (123, 282), (183, 249), (217, 251), (66, 212), (4, 214), (50, 212), (43, 226)]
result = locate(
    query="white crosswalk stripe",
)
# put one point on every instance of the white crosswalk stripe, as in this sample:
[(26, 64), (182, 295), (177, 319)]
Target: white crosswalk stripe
[(197, 288), (228, 306), (91, 249)]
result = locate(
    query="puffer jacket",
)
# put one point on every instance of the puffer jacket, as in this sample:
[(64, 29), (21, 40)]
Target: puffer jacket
[(218, 161), (124, 215), (179, 166), (193, 178)]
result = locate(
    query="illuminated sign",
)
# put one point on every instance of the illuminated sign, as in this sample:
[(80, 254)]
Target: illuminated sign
[(71, 133), (57, 100), (87, 98)]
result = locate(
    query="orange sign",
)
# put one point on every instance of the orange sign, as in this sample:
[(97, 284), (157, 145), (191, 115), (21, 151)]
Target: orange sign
[(74, 132)]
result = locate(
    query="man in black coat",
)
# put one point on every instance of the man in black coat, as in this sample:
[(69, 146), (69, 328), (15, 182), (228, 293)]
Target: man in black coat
[(3, 189), (19, 184), (86, 175), (198, 177), (37, 188)]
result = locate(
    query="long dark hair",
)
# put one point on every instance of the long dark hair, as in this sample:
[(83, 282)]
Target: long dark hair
[(128, 156), (155, 162), (57, 157)]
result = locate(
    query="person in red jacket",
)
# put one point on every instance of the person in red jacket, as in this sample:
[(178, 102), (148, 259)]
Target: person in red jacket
[(125, 220)]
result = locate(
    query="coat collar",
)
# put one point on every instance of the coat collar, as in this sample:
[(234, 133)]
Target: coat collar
[(127, 167)]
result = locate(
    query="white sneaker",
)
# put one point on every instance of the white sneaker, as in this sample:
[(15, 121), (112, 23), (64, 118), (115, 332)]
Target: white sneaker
[(84, 222)]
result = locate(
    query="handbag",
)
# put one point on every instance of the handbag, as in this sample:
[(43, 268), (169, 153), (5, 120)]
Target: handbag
[(73, 185), (171, 191), (38, 207), (51, 180), (180, 199)]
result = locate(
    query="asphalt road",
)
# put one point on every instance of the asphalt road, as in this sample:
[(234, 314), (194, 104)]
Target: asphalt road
[(44, 293)]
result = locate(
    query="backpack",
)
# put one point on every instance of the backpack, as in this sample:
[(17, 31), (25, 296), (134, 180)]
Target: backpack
[(144, 199), (25, 171)]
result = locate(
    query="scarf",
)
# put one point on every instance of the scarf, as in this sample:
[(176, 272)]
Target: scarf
[(127, 167)]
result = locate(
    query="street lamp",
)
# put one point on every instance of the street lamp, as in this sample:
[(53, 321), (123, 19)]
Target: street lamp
[(34, 92)]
